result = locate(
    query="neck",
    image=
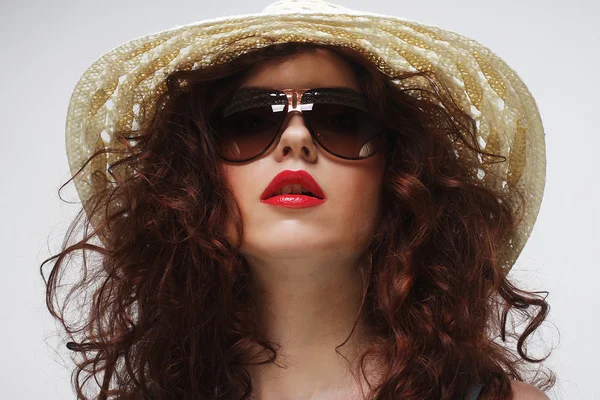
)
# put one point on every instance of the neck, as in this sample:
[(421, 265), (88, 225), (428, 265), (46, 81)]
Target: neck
[(309, 308)]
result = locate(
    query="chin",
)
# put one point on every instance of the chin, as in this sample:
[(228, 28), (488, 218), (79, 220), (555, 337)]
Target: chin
[(290, 243), (289, 236)]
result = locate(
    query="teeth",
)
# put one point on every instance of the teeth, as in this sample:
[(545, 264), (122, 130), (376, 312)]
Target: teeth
[(295, 189)]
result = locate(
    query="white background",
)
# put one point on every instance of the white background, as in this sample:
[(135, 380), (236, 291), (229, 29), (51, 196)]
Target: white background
[(47, 45)]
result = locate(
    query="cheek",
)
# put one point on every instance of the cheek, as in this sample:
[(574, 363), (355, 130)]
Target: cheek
[(237, 181), (365, 202), (358, 201)]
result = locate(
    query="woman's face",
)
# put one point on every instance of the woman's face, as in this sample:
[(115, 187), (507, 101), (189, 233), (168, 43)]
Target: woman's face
[(340, 226)]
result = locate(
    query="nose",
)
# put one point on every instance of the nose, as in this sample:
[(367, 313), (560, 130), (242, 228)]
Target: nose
[(296, 140)]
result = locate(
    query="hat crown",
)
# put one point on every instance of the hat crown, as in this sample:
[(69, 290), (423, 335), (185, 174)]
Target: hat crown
[(304, 7)]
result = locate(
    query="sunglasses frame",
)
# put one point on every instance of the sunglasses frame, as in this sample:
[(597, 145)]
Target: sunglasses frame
[(294, 105)]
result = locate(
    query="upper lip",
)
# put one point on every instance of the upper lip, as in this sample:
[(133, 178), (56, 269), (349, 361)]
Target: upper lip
[(289, 177)]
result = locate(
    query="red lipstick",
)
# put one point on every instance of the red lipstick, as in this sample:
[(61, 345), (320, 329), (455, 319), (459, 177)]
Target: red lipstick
[(293, 200)]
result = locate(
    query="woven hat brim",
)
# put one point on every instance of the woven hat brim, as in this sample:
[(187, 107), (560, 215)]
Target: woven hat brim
[(111, 90)]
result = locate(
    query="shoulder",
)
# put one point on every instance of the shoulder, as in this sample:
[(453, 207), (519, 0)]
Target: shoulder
[(524, 391)]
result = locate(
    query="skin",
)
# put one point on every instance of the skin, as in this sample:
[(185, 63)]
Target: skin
[(305, 262), (525, 391)]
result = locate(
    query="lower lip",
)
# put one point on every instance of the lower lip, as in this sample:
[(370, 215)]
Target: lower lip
[(293, 201)]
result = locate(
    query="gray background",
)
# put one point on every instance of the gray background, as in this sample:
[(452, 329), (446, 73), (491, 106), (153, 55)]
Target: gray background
[(47, 45)]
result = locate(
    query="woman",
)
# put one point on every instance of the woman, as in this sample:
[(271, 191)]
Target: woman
[(293, 223)]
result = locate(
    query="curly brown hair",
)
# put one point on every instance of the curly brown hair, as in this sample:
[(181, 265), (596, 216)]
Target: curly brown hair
[(165, 312)]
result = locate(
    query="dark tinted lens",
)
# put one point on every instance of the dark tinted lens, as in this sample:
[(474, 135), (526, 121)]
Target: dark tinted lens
[(345, 130), (245, 134), (338, 118)]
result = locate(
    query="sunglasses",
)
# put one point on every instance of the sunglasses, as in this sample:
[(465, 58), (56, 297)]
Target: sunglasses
[(338, 120)]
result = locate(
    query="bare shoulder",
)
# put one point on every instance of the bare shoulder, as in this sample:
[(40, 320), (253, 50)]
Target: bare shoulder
[(525, 391)]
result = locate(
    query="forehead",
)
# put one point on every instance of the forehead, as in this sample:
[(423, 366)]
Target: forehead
[(306, 69)]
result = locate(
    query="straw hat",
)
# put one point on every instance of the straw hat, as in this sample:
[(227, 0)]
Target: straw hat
[(109, 93)]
